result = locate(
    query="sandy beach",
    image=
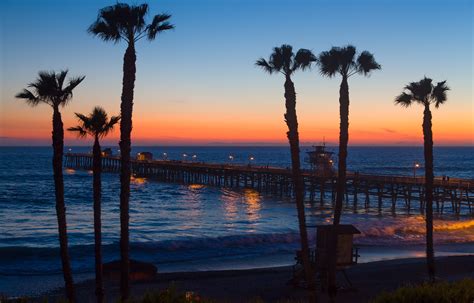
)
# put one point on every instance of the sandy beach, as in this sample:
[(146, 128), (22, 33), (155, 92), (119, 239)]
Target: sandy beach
[(269, 284)]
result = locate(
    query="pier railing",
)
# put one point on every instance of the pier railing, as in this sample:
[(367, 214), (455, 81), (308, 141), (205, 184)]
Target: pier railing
[(456, 195)]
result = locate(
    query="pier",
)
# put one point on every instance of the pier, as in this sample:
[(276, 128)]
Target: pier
[(362, 190)]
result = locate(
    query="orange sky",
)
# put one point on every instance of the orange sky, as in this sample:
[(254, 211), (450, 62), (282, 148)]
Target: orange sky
[(198, 84)]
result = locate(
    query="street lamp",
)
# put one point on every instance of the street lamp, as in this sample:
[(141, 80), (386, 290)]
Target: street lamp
[(184, 157), (231, 158), (415, 166), (165, 156), (194, 157)]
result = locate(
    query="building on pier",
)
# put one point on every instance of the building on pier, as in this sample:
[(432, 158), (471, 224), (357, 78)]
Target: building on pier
[(144, 156), (320, 161)]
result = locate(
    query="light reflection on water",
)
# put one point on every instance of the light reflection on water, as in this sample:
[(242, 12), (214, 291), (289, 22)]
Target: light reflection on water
[(174, 224)]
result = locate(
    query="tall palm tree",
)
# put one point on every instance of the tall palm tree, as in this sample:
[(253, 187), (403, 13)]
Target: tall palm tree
[(343, 61), (284, 61), (425, 93), (97, 125), (123, 22), (49, 88)]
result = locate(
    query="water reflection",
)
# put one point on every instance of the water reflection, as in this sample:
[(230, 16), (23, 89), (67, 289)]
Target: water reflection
[(253, 203), (230, 203), (194, 207), (137, 180)]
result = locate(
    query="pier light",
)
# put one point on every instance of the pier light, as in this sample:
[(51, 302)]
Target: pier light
[(231, 158), (251, 158), (165, 156), (195, 157), (184, 157), (415, 167), (70, 149)]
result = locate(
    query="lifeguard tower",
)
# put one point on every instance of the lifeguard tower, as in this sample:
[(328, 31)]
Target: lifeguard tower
[(320, 161)]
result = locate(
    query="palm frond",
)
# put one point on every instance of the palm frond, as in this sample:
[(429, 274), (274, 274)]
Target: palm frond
[(277, 60), (66, 94), (29, 97), (83, 119), (159, 24), (303, 60), (265, 66), (420, 90), (105, 31), (366, 63), (60, 77), (347, 59), (329, 62), (438, 94), (45, 85), (404, 99), (81, 132), (137, 17), (109, 126), (113, 23)]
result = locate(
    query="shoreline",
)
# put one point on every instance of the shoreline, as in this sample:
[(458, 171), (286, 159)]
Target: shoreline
[(269, 284)]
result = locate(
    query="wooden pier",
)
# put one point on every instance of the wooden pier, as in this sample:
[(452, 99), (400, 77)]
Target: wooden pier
[(362, 190)]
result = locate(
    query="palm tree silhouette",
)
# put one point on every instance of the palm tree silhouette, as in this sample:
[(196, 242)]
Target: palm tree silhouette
[(425, 93), (96, 125), (342, 61), (284, 61), (49, 88), (116, 23)]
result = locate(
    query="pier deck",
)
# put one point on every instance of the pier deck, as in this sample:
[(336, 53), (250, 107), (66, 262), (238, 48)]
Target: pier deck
[(362, 190)]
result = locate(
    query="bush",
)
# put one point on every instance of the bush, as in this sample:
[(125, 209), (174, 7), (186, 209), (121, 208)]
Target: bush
[(171, 295), (441, 292)]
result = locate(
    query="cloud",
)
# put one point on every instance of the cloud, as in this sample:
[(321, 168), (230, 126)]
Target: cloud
[(388, 130)]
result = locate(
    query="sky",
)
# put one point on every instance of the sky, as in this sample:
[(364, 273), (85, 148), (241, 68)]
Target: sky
[(198, 85)]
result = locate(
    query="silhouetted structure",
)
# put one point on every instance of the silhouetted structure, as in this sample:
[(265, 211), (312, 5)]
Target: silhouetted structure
[(363, 191), (284, 61), (342, 61), (320, 161), (97, 125), (116, 23), (144, 156), (425, 93), (50, 89), (106, 152)]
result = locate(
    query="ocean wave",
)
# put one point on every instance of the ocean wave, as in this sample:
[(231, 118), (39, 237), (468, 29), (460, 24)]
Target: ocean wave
[(411, 230)]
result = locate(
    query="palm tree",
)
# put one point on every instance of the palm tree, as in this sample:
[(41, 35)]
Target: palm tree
[(96, 125), (342, 61), (49, 89), (284, 61), (116, 23), (425, 93)]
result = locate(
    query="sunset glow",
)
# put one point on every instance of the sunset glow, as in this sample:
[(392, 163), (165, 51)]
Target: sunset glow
[(207, 91)]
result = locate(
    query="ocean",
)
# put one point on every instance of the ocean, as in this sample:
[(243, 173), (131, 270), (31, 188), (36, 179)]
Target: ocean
[(194, 227)]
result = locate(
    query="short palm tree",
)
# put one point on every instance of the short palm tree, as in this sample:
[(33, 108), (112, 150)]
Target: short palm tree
[(123, 22), (342, 61), (284, 61), (97, 125), (425, 93), (50, 88)]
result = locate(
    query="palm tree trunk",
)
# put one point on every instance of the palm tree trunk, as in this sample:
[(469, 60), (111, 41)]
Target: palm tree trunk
[(128, 84), (341, 181), (293, 138), (429, 177), (97, 170), (58, 146)]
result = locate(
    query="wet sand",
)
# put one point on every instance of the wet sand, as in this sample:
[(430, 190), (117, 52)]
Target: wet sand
[(270, 285)]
